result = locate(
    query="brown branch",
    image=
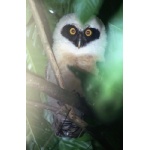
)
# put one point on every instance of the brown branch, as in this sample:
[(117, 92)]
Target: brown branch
[(63, 110), (42, 106), (74, 118), (52, 90), (68, 98), (40, 25)]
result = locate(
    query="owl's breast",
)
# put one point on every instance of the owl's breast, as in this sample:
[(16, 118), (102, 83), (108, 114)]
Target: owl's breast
[(85, 62)]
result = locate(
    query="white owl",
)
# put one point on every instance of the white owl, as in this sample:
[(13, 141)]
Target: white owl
[(79, 45)]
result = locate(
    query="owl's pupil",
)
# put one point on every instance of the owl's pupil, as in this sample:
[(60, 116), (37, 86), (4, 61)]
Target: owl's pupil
[(88, 32), (72, 31)]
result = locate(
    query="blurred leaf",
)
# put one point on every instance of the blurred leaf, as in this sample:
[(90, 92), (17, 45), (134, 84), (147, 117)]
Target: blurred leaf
[(73, 144), (114, 58), (113, 69), (104, 91), (28, 13), (82, 143), (117, 20), (30, 138), (85, 9), (36, 59), (39, 128), (59, 7)]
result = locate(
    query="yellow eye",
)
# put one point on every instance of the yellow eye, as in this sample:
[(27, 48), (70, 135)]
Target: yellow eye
[(88, 32), (72, 31)]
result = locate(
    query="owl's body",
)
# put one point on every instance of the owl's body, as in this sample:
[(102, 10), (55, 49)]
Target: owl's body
[(75, 44)]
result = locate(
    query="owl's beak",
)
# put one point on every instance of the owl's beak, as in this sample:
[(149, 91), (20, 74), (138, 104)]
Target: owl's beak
[(79, 41)]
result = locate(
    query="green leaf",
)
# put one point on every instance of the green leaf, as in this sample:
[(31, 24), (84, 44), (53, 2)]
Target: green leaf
[(39, 129), (113, 71), (28, 12), (85, 9), (30, 137), (59, 7), (104, 91), (76, 144), (36, 58)]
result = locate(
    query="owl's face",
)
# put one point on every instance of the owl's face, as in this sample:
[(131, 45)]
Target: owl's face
[(78, 37), (71, 36)]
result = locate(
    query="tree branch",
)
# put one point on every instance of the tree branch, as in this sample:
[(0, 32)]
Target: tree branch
[(51, 89), (40, 105), (63, 110), (66, 97)]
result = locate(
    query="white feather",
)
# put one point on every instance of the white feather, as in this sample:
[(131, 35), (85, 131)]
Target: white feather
[(96, 47)]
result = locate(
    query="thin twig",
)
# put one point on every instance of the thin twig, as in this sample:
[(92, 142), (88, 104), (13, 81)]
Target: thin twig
[(44, 40)]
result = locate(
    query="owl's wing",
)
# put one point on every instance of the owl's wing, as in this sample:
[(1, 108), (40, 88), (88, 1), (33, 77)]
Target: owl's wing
[(61, 125), (49, 74)]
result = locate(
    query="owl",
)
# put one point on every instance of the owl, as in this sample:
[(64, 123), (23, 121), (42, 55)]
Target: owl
[(79, 45)]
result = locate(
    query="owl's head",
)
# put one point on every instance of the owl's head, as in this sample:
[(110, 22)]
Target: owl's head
[(72, 36)]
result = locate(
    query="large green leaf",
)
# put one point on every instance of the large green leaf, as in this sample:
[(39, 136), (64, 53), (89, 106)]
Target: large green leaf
[(86, 8), (106, 93), (36, 59), (39, 130)]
